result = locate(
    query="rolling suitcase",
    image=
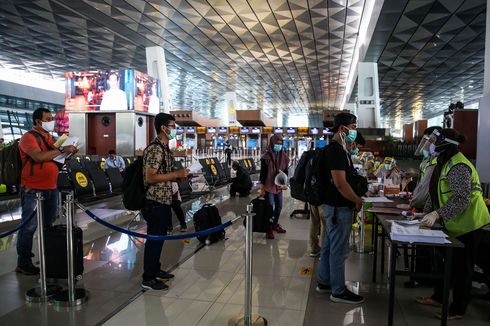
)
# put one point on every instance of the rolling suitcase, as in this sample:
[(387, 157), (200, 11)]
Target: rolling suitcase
[(205, 218), (56, 253)]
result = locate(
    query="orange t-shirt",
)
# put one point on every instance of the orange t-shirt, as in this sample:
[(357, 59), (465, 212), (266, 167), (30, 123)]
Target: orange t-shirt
[(44, 175)]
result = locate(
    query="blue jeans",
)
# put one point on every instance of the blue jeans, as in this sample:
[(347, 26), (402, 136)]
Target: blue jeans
[(276, 201), (157, 217), (335, 247), (26, 234)]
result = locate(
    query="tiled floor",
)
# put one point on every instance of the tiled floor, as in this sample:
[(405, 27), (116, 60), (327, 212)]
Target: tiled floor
[(209, 285)]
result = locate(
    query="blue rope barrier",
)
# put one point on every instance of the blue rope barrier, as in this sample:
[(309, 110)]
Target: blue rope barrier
[(157, 237), (18, 227)]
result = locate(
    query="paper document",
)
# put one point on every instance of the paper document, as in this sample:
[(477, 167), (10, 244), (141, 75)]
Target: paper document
[(69, 141), (381, 199), (407, 222), (413, 234), (195, 167)]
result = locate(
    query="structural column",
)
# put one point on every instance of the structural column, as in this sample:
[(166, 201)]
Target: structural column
[(157, 68), (368, 110), (231, 107), (482, 152)]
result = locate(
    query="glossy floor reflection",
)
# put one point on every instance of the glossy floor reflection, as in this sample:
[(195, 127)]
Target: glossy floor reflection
[(209, 285)]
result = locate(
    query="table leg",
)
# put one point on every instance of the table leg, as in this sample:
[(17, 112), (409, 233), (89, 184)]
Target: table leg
[(391, 272), (375, 246), (383, 245), (447, 281)]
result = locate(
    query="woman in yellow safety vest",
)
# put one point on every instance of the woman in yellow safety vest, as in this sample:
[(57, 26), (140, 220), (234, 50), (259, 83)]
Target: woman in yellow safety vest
[(456, 202)]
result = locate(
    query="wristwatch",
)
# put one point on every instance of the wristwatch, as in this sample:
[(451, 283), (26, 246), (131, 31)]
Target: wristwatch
[(61, 149)]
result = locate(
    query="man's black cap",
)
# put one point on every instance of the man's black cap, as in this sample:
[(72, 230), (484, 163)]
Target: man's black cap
[(343, 119)]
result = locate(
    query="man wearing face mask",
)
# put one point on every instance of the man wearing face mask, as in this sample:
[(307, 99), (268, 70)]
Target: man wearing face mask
[(158, 174), (39, 174), (421, 192), (242, 182), (340, 203)]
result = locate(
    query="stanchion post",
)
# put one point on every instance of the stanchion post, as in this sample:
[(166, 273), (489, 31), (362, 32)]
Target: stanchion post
[(44, 292), (72, 296), (248, 319)]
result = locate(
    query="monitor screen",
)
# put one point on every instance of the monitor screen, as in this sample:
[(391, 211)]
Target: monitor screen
[(190, 130), (222, 130), (211, 130), (326, 131), (291, 131), (255, 130), (252, 143), (147, 93), (244, 130), (279, 131), (180, 130), (314, 131)]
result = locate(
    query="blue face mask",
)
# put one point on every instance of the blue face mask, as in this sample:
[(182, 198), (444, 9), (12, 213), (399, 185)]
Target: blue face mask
[(277, 148), (388, 167), (425, 153), (351, 136), (377, 164), (355, 151)]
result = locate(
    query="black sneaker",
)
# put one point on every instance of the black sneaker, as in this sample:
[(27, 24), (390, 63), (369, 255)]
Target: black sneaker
[(323, 288), (347, 297), (27, 270), (154, 285), (163, 275)]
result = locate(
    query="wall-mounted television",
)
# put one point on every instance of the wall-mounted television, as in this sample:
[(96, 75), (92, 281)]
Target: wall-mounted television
[(111, 90)]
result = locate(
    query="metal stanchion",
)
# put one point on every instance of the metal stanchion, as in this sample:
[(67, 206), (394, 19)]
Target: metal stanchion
[(44, 292), (72, 296), (248, 319)]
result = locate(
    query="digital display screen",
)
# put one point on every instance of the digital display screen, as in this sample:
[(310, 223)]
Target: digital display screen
[(278, 131), (320, 143), (291, 131), (314, 131), (326, 131), (252, 143), (190, 130), (211, 130), (222, 130), (244, 130), (180, 130), (255, 130)]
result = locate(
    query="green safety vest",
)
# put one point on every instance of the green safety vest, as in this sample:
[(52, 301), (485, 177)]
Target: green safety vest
[(476, 214), (425, 164)]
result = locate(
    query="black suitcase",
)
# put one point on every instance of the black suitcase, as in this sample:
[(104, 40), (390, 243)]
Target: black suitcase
[(56, 253), (262, 219), (205, 218)]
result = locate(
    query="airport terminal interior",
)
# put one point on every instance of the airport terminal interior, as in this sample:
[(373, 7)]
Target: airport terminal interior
[(244, 162)]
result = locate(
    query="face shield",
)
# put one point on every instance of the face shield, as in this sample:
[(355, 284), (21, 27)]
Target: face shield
[(423, 145), (438, 141)]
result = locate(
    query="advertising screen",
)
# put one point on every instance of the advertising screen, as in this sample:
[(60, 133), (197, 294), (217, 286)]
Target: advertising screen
[(111, 90), (267, 130), (303, 131), (278, 131)]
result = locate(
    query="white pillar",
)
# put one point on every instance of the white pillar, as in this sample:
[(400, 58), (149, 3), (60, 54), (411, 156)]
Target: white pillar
[(368, 109), (482, 151), (157, 68)]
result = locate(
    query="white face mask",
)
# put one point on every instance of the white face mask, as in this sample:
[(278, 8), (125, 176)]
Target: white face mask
[(48, 126)]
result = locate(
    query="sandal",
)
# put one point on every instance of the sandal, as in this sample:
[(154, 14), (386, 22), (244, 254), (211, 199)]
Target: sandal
[(428, 301), (450, 316)]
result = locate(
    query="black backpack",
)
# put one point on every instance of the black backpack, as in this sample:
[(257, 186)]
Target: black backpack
[(133, 185), (11, 164), (205, 218), (315, 183), (297, 181)]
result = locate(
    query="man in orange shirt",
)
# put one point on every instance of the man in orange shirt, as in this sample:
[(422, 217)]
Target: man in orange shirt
[(39, 174)]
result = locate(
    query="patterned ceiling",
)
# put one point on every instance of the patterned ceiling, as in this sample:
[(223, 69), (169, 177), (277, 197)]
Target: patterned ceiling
[(430, 53), (276, 54)]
